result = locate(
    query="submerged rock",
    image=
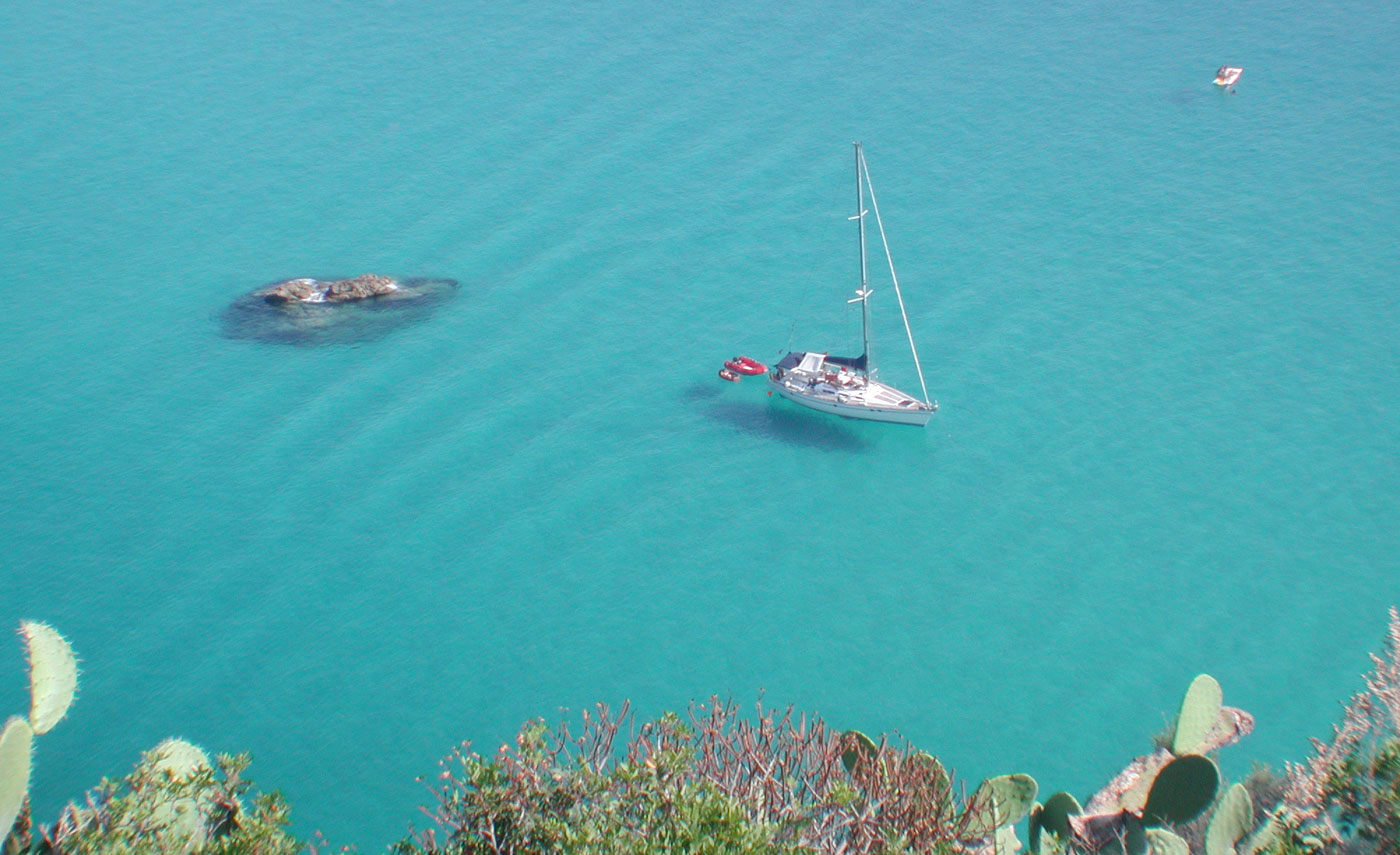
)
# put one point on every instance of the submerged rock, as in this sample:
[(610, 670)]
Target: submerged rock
[(310, 311), (360, 287)]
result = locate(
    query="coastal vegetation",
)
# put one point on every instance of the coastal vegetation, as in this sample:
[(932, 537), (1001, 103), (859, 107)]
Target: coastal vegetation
[(713, 780)]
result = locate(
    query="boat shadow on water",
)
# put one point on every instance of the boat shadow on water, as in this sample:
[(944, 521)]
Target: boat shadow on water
[(252, 318), (789, 425)]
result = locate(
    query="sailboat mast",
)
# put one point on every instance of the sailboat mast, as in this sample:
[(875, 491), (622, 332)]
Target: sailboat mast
[(864, 292)]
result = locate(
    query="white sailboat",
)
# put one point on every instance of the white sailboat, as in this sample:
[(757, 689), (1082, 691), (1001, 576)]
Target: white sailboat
[(846, 385)]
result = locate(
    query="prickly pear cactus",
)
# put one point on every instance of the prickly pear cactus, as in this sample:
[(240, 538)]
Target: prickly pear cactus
[(1054, 816), (858, 748), (15, 742), (179, 759), (1045, 843), (1000, 801), (1033, 828), (1230, 822), (1006, 842), (53, 675), (1185, 787), (1200, 710), (1162, 842), (179, 813), (936, 776)]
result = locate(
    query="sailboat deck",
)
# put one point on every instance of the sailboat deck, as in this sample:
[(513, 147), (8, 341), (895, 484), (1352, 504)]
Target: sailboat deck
[(847, 389), (850, 394)]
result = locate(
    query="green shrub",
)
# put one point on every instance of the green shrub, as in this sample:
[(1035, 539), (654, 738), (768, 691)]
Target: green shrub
[(715, 783), (210, 809)]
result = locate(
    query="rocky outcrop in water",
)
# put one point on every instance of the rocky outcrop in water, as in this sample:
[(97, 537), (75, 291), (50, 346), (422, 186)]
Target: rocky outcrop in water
[(310, 311), (336, 291)]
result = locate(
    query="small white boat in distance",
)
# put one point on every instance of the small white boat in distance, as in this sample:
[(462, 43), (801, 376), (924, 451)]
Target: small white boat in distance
[(846, 385), (1227, 75)]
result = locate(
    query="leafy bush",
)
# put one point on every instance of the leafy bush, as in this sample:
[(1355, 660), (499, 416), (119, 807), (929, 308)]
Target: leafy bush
[(713, 783), (1346, 797), (161, 810)]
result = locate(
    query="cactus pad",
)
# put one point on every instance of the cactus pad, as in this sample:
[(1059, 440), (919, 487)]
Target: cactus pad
[(15, 743), (1046, 843), (1230, 822), (1163, 842), (1000, 801), (1033, 828), (180, 808), (856, 747), (1185, 787), (1006, 840), (1054, 817), (53, 675), (1199, 713), (935, 777), (1015, 794), (178, 759)]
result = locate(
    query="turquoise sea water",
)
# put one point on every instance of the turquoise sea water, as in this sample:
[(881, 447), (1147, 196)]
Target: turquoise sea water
[(1160, 320)]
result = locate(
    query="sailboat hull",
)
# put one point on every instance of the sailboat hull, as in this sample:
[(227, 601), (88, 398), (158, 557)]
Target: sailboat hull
[(917, 414)]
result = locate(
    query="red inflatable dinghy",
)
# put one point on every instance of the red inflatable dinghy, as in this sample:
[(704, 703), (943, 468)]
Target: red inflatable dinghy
[(744, 365)]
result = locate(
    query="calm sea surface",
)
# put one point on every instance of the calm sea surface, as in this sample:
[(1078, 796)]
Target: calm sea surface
[(1161, 321)]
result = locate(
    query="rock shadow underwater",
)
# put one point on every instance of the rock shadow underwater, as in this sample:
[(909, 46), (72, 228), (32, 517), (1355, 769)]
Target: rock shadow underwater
[(309, 312)]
